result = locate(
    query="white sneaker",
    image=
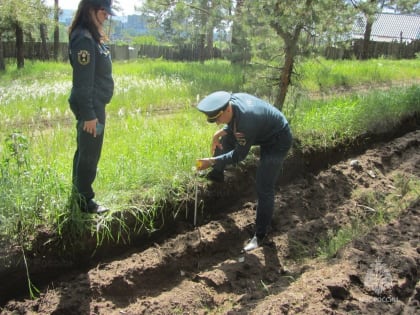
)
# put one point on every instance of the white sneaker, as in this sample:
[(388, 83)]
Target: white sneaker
[(253, 244)]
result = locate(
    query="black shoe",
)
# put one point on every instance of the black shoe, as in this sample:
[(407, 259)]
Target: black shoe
[(93, 207), (215, 176)]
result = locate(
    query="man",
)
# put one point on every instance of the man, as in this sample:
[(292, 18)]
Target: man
[(247, 121)]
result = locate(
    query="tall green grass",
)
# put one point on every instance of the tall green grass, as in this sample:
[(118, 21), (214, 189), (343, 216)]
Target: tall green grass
[(319, 74), (325, 123), (39, 92), (145, 159), (152, 138)]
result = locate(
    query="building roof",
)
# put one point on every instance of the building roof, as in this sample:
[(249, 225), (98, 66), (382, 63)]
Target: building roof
[(390, 27)]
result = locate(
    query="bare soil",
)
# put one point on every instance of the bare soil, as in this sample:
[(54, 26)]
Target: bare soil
[(201, 270)]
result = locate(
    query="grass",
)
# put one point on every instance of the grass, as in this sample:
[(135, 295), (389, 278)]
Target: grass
[(153, 136), (325, 123), (319, 74)]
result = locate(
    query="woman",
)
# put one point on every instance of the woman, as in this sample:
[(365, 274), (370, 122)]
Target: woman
[(92, 89)]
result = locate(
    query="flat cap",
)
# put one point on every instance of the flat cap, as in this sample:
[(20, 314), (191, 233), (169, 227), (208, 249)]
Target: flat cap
[(213, 104), (105, 4)]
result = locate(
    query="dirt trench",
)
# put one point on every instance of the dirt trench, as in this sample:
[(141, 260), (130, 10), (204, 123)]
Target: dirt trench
[(202, 270)]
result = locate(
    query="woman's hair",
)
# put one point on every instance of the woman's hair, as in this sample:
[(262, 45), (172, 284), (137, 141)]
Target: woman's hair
[(84, 19)]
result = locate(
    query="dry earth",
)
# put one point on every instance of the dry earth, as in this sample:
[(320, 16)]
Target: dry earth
[(202, 271)]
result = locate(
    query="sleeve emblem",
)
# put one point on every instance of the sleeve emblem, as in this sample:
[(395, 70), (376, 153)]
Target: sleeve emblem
[(240, 138), (83, 57)]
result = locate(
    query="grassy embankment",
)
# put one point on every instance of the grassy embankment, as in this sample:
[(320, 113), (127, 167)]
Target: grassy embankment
[(148, 155)]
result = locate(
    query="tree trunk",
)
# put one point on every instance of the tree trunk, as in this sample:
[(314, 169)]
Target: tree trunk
[(44, 50), (209, 46), (2, 63), (201, 48), (369, 12), (209, 29), (56, 29), (204, 19), (20, 53), (286, 74), (366, 41), (290, 51), (240, 45)]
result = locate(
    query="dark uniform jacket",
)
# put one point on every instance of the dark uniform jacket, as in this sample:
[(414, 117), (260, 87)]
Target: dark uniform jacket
[(93, 85), (254, 122)]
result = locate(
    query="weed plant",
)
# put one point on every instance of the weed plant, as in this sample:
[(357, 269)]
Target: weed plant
[(152, 138)]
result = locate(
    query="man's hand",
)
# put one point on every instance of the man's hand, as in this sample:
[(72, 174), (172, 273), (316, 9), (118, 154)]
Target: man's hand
[(216, 141), (205, 163)]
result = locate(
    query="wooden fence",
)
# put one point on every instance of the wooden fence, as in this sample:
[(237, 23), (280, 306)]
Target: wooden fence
[(181, 53), (192, 53), (394, 50)]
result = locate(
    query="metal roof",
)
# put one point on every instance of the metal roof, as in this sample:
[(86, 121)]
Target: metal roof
[(390, 27)]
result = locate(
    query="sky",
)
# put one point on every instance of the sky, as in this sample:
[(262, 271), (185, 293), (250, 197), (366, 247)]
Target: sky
[(127, 5)]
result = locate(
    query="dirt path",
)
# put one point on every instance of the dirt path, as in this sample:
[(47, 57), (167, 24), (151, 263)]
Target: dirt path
[(201, 271)]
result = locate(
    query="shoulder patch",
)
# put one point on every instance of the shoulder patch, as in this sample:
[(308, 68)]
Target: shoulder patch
[(240, 138), (83, 57)]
